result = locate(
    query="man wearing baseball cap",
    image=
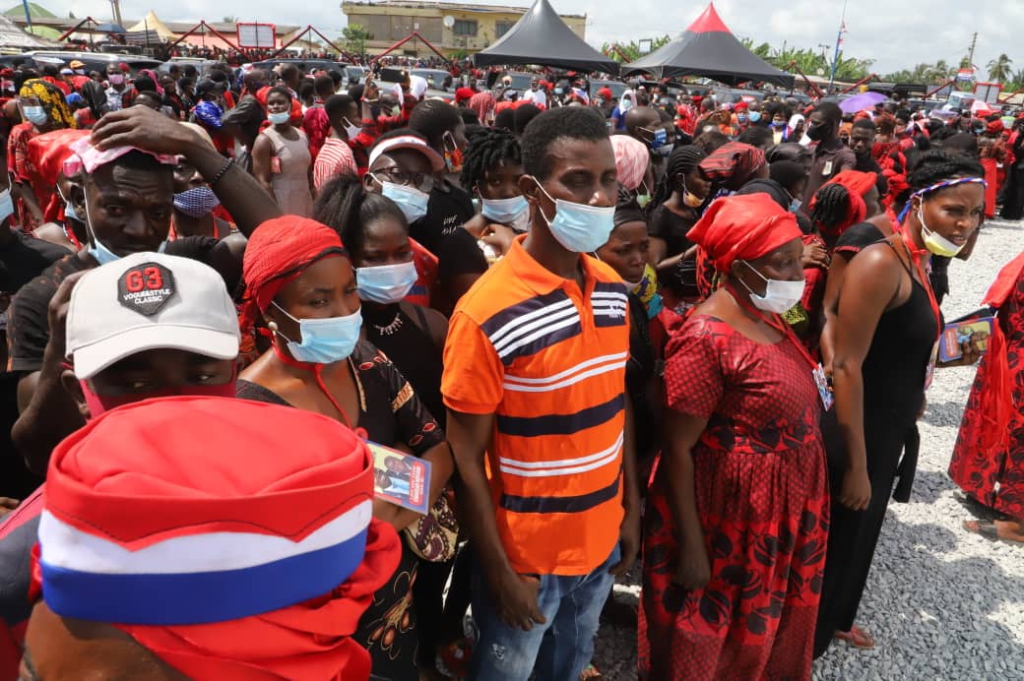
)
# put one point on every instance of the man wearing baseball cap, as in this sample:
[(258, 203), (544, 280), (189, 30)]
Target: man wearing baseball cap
[(123, 191), (259, 568), (404, 168), (148, 325)]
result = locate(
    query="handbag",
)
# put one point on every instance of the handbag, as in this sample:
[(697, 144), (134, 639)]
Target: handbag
[(433, 537)]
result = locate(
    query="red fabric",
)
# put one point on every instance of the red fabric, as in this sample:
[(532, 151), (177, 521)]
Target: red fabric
[(113, 479), (743, 228), (732, 164), (426, 275), (46, 155), (995, 126), (988, 459), (12, 640), (317, 127), (463, 94), (762, 499), (277, 252), (991, 167), (857, 184)]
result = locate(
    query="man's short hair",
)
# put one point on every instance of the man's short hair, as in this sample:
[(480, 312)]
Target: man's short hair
[(570, 122)]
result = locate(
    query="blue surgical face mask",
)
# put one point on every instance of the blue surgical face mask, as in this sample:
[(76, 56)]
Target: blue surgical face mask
[(6, 205), (412, 201), (386, 284), (794, 205), (755, 116), (660, 138), (96, 248), (279, 118), (324, 341), (578, 227), (36, 115), (513, 212)]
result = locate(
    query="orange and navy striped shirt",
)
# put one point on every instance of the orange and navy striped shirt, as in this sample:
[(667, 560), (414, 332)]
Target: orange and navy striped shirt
[(548, 360)]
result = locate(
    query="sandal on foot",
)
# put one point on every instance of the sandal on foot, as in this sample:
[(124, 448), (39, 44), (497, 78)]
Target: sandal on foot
[(985, 528), (857, 637), (590, 674)]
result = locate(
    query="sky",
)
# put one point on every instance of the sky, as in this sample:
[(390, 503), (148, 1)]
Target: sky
[(896, 34)]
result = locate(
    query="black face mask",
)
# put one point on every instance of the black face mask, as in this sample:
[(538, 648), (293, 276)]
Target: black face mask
[(816, 132)]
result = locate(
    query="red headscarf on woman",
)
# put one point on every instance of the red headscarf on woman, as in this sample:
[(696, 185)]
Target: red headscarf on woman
[(46, 155), (278, 252), (743, 227)]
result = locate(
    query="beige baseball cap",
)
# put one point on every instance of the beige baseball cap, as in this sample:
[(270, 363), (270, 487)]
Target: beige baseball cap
[(148, 301)]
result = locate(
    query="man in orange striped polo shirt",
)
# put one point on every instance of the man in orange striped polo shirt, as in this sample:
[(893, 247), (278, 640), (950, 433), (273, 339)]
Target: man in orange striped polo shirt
[(534, 382)]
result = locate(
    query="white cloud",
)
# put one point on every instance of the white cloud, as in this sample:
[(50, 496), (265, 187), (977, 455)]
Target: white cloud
[(896, 34)]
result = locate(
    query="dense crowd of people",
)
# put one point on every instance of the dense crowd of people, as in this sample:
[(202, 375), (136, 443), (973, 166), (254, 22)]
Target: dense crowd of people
[(659, 327)]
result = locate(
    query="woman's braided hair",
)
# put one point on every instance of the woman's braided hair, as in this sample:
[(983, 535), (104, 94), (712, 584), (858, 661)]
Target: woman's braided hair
[(489, 148), (682, 161), (831, 205)]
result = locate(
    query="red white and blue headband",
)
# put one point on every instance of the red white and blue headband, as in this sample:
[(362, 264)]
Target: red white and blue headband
[(945, 184)]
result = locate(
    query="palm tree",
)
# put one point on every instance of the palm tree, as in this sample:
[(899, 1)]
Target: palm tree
[(999, 69)]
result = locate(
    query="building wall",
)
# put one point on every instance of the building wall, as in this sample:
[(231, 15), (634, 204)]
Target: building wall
[(475, 28)]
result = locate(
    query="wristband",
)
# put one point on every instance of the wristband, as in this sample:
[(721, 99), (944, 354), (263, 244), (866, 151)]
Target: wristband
[(223, 171)]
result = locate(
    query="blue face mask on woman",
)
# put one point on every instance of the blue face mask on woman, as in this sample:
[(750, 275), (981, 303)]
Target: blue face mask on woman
[(386, 284), (324, 341), (6, 205), (511, 212), (755, 116), (412, 201), (578, 227)]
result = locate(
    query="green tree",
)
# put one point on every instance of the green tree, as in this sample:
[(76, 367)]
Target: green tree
[(230, 20), (355, 36), (999, 69), (631, 50)]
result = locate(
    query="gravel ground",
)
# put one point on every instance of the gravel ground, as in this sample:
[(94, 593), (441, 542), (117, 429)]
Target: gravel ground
[(943, 604)]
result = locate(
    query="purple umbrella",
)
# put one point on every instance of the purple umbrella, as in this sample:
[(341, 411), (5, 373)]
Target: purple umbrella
[(865, 100)]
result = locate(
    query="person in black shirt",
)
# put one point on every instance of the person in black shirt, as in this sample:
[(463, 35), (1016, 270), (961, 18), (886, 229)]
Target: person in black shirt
[(126, 197), (862, 140), (670, 222), (404, 168)]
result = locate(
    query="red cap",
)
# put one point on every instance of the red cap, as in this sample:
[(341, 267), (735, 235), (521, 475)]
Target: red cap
[(123, 67), (463, 94), (741, 106), (605, 92)]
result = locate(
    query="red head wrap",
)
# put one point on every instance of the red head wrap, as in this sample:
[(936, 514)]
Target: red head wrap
[(743, 227), (463, 94), (995, 127), (732, 165), (47, 153), (278, 251), (740, 106), (857, 185)]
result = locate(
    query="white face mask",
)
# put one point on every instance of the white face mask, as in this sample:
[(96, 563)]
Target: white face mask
[(353, 131), (779, 296)]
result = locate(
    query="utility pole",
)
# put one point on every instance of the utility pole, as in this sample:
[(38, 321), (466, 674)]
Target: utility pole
[(970, 53), (115, 6)]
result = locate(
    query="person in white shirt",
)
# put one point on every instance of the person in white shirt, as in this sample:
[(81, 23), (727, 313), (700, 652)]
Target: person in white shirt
[(537, 94)]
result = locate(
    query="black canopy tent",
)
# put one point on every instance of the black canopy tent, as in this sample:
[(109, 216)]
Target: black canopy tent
[(541, 37), (709, 49)]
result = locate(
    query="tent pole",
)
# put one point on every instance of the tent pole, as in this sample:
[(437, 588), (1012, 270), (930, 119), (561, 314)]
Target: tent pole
[(817, 91), (867, 79)]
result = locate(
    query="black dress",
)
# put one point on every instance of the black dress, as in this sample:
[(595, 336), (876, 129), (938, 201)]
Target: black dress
[(409, 346), (1013, 196), (390, 413), (894, 376)]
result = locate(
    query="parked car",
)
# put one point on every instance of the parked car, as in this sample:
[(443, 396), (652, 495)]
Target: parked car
[(435, 78), (305, 65), (94, 61), (202, 65), (616, 86)]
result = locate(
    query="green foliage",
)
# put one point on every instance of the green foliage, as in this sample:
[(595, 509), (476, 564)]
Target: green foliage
[(631, 50), (1000, 69), (354, 38)]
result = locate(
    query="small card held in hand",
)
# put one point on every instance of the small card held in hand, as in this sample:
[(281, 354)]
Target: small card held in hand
[(956, 333), (400, 478)]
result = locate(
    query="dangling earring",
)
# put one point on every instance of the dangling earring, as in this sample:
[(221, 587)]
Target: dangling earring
[(272, 326)]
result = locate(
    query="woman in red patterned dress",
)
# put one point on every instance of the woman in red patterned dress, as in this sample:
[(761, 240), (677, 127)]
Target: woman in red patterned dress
[(988, 461), (737, 520)]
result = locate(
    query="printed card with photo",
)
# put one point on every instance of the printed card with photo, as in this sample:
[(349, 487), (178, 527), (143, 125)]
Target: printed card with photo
[(399, 478)]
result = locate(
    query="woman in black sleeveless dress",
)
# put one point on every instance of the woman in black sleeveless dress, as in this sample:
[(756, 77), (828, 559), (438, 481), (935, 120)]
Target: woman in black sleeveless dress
[(885, 327)]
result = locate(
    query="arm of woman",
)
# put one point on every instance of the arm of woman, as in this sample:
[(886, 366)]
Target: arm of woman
[(262, 163), (693, 569), (872, 283), (656, 251), (836, 271)]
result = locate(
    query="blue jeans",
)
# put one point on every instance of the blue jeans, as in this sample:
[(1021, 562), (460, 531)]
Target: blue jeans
[(555, 651)]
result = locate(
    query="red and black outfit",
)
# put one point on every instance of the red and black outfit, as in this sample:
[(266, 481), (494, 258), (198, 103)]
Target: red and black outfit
[(988, 460), (762, 496)]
